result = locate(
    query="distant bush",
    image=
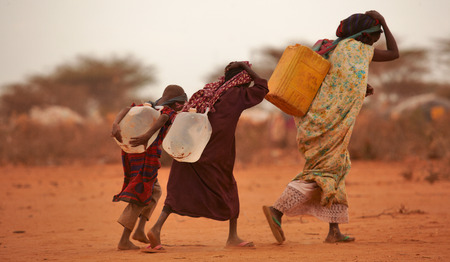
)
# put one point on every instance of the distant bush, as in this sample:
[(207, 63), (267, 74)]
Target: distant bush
[(26, 142), (30, 143), (413, 134)]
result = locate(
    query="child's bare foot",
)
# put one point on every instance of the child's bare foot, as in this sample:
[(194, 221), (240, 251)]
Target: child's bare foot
[(126, 245), (140, 236), (154, 236)]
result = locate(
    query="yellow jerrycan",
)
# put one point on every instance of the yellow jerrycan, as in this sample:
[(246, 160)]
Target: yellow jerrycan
[(296, 79)]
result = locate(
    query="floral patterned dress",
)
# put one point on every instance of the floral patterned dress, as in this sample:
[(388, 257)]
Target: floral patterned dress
[(323, 134)]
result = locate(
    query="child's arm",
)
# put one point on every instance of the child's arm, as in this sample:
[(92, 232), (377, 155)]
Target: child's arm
[(143, 139), (115, 127)]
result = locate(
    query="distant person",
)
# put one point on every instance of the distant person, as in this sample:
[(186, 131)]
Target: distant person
[(207, 188), (324, 132), (141, 188)]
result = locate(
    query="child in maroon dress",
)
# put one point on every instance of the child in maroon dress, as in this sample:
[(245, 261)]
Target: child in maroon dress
[(207, 188), (141, 188)]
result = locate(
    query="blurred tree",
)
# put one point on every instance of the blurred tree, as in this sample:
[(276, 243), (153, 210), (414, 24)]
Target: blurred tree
[(86, 85), (404, 76), (264, 63), (444, 51), (418, 71), (268, 60)]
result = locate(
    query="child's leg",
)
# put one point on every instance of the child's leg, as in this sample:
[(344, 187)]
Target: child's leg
[(128, 220), (124, 242), (139, 233)]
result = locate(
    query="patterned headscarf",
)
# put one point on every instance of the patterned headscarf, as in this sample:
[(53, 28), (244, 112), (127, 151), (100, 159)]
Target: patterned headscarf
[(354, 24), (207, 97), (352, 27)]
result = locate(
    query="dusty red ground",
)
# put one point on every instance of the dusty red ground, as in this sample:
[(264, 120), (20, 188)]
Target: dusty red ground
[(66, 214)]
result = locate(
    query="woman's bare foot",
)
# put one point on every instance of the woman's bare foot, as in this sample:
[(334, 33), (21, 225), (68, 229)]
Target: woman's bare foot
[(140, 236), (126, 245)]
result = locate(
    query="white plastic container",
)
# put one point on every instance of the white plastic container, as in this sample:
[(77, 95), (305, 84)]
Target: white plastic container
[(135, 123), (188, 136)]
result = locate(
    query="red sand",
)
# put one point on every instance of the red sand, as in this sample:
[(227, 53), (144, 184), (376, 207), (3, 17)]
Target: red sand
[(66, 214)]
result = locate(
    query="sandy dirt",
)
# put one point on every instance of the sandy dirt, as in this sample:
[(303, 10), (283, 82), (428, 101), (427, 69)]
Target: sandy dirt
[(66, 214)]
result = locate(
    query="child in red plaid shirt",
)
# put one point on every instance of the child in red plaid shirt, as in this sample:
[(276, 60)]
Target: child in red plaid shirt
[(141, 188)]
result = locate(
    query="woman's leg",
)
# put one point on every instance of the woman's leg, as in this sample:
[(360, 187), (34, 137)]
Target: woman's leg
[(154, 234), (277, 214), (233, 238), (291, 200), (273, 217)]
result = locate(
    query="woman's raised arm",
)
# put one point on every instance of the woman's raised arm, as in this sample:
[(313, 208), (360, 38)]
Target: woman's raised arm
[(392, 52)]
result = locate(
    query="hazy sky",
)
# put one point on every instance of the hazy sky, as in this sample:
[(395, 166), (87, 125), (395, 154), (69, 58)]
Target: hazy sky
[(186, 40)]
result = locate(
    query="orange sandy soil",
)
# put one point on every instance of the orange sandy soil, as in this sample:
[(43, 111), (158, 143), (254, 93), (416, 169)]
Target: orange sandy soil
[(66, 214)]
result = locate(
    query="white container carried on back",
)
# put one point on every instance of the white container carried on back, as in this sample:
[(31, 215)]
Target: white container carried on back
[(135, 123), (188, 136)]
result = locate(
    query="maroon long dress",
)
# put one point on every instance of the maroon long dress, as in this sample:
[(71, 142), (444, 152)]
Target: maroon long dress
[(207, 188)]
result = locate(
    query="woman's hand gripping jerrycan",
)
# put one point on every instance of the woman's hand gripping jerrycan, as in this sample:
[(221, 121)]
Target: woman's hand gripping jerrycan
[(188, 136), (135, 123)]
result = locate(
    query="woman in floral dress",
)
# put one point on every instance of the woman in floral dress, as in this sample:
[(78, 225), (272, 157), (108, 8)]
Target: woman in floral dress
[(323, 134)]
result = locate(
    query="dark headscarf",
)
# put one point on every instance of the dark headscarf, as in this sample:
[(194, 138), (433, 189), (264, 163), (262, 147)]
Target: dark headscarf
[(352, 27), (354, 24), (204, 99)]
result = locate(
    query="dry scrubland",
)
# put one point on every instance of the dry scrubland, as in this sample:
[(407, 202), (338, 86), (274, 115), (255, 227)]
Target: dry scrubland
[(375, 137), (57, 183), (65, 213)]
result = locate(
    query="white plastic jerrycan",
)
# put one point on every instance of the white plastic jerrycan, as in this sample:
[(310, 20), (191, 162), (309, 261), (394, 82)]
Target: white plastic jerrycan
[(188, 136), (135, 123)]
